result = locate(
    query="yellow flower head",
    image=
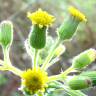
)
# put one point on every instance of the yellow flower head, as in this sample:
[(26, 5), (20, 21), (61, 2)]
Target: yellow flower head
[(34, 80), (42, 18), (76, 13)]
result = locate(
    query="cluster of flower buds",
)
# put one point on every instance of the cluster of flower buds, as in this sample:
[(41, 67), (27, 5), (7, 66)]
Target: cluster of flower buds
[(85, 79), (36, 80)]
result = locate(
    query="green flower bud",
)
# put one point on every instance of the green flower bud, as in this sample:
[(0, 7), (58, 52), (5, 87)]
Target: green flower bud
[(68, 28), (84, 59), (6, 33), (91, 75), (37, 37), (79, 82)]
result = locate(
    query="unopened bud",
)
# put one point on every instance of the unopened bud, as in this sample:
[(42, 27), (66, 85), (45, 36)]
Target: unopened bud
[(84, 59), (6, 33), (68, 28), (37, 37), (79, 82)]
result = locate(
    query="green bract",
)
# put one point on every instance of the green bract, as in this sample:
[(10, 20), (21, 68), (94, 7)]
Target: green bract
[(68, 28), (79, 82), (91, 75), (84, 59), (6, 33), (37, 37)]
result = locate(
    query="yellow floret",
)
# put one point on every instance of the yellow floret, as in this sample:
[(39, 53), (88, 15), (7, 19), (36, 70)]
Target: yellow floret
[(76, 13), (34, 79), (42, 18)]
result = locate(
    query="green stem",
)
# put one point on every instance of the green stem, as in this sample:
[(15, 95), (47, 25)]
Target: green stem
[(6, 55), (52, 62), (61, 76), (54, 78), (35, 58), (66, 72), (15, 70), (51, 54), (7, 63)]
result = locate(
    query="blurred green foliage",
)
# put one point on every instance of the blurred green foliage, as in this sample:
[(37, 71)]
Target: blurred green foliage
[(3, 80)]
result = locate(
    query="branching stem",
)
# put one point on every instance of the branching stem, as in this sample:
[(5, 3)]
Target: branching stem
[(51, 54)]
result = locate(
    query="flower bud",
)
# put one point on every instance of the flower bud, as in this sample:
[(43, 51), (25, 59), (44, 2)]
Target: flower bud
[(41, 20), (91, 75), (79, 82), (69, 26), (6, 33), (84, 59), (37, 37)]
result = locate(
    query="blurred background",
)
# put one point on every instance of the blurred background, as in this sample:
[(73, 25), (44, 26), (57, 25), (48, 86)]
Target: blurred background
[(15, 10)]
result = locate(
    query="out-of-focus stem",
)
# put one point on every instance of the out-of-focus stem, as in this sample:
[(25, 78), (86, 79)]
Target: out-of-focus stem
[(1, 62), (61, 75), (52, 62), (51, 54), (15, 70), (66, 72)]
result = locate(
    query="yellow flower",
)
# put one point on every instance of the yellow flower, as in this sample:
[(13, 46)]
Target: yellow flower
[(34, 80), (42, 18), (76, 13)]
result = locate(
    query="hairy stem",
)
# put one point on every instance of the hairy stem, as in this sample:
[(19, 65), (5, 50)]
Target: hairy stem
[(7, 63), (61, 75), (6, 55), (51, 54), (35, 58), (15, 70)]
